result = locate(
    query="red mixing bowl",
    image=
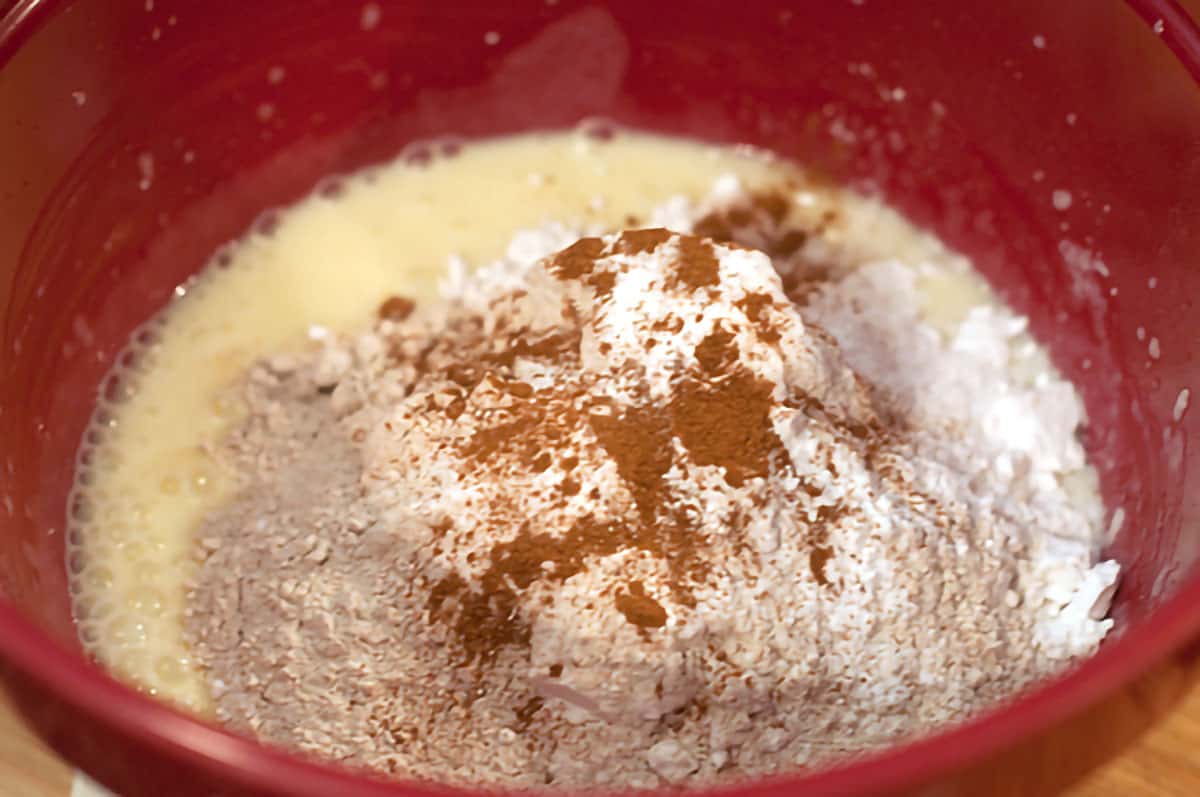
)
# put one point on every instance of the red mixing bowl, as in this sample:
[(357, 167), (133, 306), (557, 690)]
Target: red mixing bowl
[(133, 142)]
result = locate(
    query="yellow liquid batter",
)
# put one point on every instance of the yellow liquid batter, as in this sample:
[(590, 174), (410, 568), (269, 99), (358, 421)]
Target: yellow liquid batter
[(329, 261)]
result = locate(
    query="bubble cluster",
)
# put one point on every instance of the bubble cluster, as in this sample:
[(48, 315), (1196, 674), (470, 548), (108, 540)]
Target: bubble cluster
[(126, 578)]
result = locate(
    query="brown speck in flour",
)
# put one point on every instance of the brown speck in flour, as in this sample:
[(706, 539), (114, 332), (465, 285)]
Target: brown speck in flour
[(396, 308), (636, 242), (640, 609), (578, 259), (697, 265)]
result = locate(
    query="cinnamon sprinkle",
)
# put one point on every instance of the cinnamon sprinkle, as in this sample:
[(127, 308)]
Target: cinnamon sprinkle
[(639, 608), (396, 308), (724, 419), (697, 266)]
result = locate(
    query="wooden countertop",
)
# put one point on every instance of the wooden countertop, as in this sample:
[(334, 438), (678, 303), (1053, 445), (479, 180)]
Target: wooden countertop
[(1165, 763)]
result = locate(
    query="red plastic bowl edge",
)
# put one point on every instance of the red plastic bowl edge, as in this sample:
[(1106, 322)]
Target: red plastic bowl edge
[(1174, 626)]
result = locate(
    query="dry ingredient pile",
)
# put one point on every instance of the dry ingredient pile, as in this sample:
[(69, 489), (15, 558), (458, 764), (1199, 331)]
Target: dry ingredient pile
[(644, 509)]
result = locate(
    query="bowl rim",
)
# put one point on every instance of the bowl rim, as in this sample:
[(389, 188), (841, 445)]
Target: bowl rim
[(84, 685)]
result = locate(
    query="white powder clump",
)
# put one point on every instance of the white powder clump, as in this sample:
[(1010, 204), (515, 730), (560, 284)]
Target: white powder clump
[(651, 508)]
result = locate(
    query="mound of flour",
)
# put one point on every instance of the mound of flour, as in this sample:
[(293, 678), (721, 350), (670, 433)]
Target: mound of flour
[(650, 508)]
